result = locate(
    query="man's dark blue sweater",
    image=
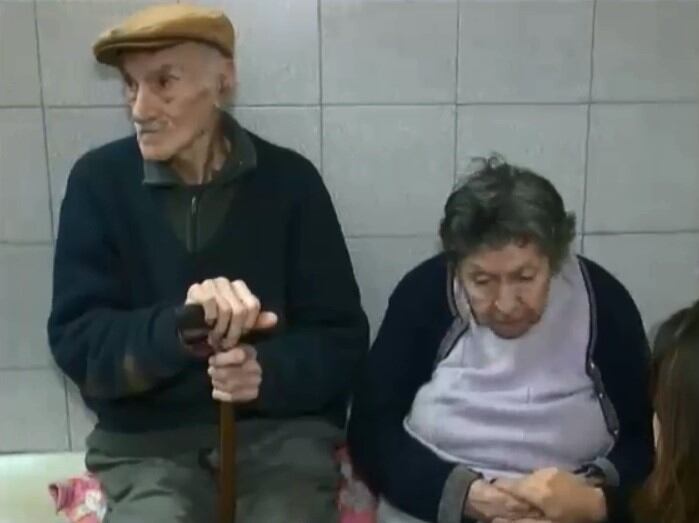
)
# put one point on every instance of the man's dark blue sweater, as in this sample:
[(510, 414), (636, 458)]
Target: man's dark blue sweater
[(120, 272)]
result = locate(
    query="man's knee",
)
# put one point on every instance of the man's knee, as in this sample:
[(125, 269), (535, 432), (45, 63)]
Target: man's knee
[(143, 491), (307, 500), (147, 507)]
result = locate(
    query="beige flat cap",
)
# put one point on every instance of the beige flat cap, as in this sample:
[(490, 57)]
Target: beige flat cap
[(165, 25)]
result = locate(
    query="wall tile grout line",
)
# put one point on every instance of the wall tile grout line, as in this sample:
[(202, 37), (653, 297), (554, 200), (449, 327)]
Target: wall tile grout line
[(49, 183), (70, 432), (393, 104), (18, 368), (321, 102), (43, 115), (28, 243), (586, 167), (637, 233), (20, 106), (456, 93), (396, 235)]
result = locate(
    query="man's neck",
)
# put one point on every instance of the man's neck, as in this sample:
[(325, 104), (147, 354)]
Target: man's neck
[(196, 164)]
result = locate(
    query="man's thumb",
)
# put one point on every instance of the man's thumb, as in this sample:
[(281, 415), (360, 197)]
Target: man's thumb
[(266, 320)]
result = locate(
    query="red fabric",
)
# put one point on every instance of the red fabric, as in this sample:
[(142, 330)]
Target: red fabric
[(79, 499), (355, 501)]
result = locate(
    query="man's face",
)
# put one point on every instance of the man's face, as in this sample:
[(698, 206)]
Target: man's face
[(173, 95), (507, 287)]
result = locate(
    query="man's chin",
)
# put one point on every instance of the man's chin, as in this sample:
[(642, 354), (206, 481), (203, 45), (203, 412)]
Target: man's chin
[(154, 153)]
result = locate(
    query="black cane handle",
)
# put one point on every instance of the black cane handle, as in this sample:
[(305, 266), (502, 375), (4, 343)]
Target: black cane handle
[(191, 324)]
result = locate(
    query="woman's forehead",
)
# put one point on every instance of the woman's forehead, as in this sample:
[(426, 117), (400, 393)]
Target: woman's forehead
[(509, 258)]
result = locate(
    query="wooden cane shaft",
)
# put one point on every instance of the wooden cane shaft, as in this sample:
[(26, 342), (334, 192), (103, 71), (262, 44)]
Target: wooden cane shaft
[(227, 472)]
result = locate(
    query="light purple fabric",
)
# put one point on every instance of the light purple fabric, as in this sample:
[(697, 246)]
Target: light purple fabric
[(508, 407)]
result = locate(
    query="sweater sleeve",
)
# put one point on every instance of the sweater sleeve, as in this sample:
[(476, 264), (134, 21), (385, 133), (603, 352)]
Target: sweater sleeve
[(106, 348), (394, 464), (312, 364), (633, 454), (622, 358)]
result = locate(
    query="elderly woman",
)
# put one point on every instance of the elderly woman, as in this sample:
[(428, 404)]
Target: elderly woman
[(508, 379)]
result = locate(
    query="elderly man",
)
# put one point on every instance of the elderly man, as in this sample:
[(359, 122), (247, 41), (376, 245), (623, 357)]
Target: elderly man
[(194, 209)]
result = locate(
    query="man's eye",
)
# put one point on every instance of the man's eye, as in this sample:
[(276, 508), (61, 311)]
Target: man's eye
[(165, 81)]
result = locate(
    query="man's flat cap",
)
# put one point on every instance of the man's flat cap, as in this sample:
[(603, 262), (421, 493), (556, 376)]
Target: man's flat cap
[(162, 26)]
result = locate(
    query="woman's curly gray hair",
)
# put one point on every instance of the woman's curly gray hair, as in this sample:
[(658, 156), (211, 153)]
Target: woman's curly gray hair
[(498, 203)]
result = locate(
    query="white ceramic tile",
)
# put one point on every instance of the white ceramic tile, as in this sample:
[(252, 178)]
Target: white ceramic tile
[(297, 128), (646, 50), (33, 411), (71, 133), (19, 73), (390, 169), (82, 420), (380, 263), (67, 30), (277, 50), (643, 168), (25, 300), (550, 140), (24, 186), (392, 51), (660, 270), (533, 51)]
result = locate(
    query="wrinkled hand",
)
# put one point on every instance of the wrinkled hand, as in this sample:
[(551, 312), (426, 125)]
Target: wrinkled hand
[(561, 496), (230, 309), (486, 502), (235, 375)]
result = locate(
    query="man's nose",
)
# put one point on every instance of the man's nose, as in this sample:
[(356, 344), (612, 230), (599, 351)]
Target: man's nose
[(143, 105)]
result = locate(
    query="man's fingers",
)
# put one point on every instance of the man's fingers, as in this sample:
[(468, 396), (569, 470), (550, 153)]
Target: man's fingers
[(202, 295), (251, 305), (237, 397), (236, 356), (225, 397), (236, 387), (225, 310), (232, 379)]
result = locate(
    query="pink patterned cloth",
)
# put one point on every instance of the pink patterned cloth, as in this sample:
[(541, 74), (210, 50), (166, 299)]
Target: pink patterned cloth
[(79, 499), (355, 501)]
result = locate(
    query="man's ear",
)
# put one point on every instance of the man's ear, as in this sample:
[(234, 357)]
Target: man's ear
[(227, 81)]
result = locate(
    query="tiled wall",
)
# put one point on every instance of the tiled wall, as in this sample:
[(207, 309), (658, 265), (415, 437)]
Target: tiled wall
[(389, 98)]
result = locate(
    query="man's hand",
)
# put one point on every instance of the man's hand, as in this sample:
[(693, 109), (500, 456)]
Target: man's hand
[(235, 375), (230, 309), (487, 502), (561, 496)]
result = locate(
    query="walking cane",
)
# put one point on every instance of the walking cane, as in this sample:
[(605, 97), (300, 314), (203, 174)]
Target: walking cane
[(193, 329)]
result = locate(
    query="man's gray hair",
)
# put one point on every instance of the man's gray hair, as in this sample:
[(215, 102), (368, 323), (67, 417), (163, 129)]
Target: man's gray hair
[(499, 203)]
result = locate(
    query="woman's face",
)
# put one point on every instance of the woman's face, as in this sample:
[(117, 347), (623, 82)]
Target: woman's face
[(507, 287)]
